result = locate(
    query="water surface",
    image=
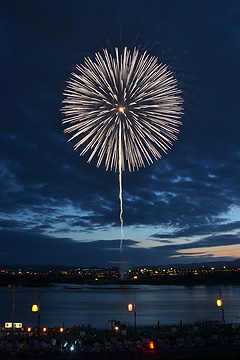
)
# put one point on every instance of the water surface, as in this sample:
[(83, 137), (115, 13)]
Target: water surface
[(95, 305)]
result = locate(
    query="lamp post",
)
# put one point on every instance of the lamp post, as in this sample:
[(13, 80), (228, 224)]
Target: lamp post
[(220, 303), (36, 308), (132, 307), (13, 287), (135, 315)]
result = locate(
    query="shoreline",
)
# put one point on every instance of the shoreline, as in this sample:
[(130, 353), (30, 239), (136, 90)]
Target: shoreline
[(34, 284)]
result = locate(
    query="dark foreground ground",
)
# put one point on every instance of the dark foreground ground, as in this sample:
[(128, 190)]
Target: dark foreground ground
[(203, 340), (215, 353)]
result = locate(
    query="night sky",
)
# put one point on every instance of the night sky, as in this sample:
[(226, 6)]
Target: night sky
[(57, 209)]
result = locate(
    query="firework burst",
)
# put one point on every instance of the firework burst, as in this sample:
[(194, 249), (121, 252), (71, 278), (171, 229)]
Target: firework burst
[(123, 109), (127, 102)]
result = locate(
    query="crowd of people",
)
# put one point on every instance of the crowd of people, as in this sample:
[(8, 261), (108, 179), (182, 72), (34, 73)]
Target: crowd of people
[(25, 343)]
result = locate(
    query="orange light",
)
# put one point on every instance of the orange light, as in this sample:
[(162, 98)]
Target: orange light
[(219, 302), (121, 109), (151, 345), (130, 307), (61, 329), (29, 329), (44, 329)]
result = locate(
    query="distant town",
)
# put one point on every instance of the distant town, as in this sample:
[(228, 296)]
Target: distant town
[(45, 275)]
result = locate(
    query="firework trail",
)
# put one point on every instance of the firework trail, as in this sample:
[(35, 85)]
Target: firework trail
[(123, 109), (120, 182)]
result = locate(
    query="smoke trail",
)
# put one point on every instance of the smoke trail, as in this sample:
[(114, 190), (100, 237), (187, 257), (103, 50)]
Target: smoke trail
[(120, 182)]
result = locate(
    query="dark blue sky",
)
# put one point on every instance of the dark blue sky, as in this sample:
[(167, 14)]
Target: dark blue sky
[(54, 207)]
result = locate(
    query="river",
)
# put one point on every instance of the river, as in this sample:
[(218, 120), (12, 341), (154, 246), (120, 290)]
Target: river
[(95, 305)]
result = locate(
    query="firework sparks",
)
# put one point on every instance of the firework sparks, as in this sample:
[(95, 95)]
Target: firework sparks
[(125, 110)]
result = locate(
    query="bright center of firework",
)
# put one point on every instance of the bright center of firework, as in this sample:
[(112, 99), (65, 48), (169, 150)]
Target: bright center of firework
[(121, 109)]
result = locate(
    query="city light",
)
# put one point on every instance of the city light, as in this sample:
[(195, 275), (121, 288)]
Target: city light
[(151, 345), (219, 302), (61, 329), (8, 325)]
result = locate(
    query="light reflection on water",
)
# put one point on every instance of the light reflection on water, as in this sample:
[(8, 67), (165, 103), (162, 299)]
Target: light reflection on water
[(84, 304)]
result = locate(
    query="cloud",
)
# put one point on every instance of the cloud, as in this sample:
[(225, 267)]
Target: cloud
[(46, 188), (165, 241), (211, 241), (33, 248), (204, 229)]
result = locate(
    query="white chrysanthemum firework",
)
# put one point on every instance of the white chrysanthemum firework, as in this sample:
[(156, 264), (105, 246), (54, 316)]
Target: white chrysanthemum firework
[(123, 109)]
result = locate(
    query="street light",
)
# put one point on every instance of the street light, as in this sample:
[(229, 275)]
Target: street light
[(220, 303), (36, 308), (13, 287), (130, 308)]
